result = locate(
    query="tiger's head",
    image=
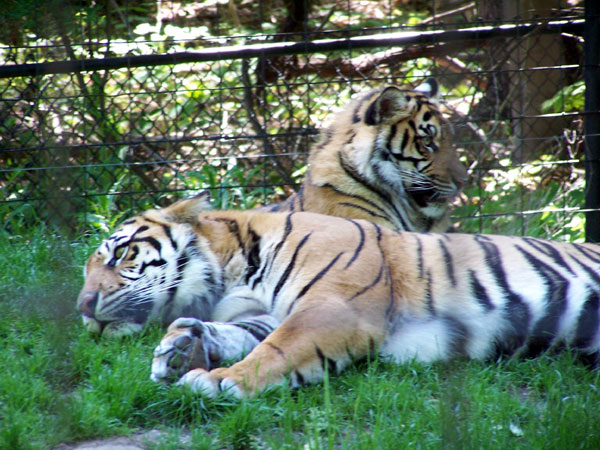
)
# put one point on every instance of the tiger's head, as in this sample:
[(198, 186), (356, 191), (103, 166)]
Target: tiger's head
[(151, 269), (397, 142)]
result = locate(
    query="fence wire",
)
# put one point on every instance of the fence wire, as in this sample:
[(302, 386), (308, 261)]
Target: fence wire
[(110, 107)]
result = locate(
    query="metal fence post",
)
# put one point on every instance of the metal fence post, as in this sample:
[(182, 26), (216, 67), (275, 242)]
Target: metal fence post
[(592, 120)]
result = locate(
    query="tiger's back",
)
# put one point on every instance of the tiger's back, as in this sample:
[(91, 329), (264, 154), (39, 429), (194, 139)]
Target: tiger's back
[(386, 158), (473, 295), (343, 288)]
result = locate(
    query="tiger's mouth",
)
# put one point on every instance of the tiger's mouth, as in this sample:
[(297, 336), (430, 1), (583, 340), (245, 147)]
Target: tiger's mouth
[(424, 197)]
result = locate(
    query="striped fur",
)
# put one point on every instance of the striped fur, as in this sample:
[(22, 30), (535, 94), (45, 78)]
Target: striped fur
[(305, 293), (385, 158)]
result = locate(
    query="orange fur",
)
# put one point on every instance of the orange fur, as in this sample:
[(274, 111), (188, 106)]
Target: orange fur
[(386, 158)]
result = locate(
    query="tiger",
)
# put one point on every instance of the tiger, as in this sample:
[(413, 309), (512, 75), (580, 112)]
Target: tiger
[(387, 158), (290, 297)]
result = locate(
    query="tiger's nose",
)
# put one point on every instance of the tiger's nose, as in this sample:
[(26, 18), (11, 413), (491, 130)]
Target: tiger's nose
[(86, 303)]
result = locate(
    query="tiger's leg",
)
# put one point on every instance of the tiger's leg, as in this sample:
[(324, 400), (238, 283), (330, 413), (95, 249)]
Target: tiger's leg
[(191, 343), (322, 336)]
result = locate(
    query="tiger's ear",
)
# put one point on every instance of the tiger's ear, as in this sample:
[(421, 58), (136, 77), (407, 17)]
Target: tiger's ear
[(187, 209), (429, 87), (392, 104)]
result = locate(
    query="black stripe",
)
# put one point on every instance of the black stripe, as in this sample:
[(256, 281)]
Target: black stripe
[(277, 349), (423, 170), (362, 208), (393, 130), (360, 245), (378, 231), (128, 277), (154, 263), (315, 279), (326, 363), (429, 295), (286, 232), (479, 292), (288, 269), (256, 328), (549, 250), (404, 140), (358, 197), (271, 259), (588, 252), (300, 381), (515, 310), (420, 256), (391, 308), (253, 258), (133, 252), (141, 229), (587, 323), (167, 231), (595, 276), (381, 266), (448, 262), (234, 229), (412, 159), (182, 262), (150, 240), (369, 286), (368, 119), (352, 173), (265, 328), (546, 328), (115, 239)]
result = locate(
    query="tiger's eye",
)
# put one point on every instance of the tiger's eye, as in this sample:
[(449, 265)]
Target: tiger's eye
[(119, 252)]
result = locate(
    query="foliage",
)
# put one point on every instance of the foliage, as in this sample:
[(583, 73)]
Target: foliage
[(570, 98), (85, 149), (547, 203)]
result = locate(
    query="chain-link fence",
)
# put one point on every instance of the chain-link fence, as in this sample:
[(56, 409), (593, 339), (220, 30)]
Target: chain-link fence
[(111, 106)]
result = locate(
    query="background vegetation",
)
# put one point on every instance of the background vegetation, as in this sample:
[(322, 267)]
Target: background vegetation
[(80, 151)]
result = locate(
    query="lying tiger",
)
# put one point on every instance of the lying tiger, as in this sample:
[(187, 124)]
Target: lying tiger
[(306, 293), (387, 159)]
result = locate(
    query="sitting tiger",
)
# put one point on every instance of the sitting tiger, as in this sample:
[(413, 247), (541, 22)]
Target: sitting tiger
[(385, 158), (305, 294)]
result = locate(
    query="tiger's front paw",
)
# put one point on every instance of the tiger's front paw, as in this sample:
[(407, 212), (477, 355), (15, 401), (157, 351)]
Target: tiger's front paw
[(183, 348), (210, 384)]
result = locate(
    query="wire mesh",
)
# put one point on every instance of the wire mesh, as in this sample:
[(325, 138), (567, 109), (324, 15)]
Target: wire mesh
[(85, 147)]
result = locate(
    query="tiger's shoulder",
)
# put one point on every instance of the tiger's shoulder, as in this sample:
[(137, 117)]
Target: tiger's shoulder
[(386, 158)]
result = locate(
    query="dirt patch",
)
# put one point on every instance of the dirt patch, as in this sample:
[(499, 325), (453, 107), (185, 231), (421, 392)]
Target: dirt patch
[(137, 441)]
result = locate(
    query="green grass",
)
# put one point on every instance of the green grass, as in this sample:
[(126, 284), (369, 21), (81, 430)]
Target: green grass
[(58, 384)]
